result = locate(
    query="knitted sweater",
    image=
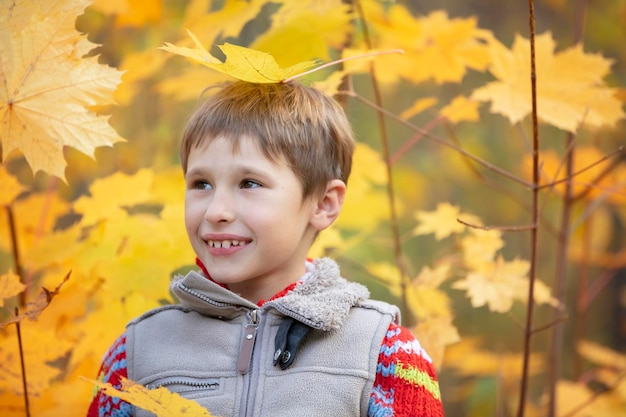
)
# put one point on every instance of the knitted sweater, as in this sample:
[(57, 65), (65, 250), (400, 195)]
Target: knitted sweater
[(404, 384)]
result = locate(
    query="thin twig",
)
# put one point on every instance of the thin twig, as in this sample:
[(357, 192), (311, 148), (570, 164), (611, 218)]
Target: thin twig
[(440, 141), (22, 363), (535, 217), (395, 228), (550, 324), (503, 228), (17, 264)]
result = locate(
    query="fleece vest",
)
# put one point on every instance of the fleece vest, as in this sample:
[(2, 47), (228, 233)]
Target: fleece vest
[(218, 348)]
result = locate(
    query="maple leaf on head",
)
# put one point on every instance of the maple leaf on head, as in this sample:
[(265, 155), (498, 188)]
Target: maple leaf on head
[(47, 87), (570, 90), (241, 63)]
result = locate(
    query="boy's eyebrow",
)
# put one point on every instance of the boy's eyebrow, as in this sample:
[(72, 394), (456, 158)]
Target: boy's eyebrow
[(242, 168)]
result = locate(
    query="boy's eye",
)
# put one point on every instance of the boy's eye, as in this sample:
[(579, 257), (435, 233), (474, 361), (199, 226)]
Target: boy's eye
[(201, 185), (250, 184)]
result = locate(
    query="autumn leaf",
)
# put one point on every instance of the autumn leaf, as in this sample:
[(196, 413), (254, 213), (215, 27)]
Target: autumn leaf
[(111, 195), (442, 222), (10, 187), (461, 109), (160, 401), (498, 285), (242, 63), (435, 334), (10, 286), (36, 306), (305, 30), (131, 13), (47, 86), (418, 106), (480, 247), (570, 87), (436, 47)]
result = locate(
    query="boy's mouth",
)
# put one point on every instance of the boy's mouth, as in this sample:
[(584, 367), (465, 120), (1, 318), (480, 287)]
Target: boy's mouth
[(225, 243)]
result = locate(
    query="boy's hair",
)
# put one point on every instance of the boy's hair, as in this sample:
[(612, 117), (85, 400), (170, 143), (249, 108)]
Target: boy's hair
[(303, 125)]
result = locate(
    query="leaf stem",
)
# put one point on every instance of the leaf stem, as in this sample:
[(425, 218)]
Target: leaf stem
[(342, 60)]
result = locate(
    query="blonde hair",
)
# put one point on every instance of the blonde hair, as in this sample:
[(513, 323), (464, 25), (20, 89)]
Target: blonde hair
[(303, 125)]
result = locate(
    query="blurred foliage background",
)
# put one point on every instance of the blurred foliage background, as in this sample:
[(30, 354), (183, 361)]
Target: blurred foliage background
[(480, 372)]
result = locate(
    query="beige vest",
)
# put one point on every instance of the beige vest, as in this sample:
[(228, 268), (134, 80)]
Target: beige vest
[(218, 348)]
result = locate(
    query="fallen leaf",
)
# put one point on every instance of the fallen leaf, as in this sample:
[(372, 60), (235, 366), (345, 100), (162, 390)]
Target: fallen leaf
[(160, 401)]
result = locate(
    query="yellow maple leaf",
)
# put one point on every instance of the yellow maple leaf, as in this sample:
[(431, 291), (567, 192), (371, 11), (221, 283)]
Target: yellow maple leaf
[(10, 286), (306, 30), (480, 247), (365, 189), (435, 46), (242, 63), (442, 221), (433, 277), (34, 216), (470, 359), (47, 86), (497, 285), (10, 187), (461, 109), (110, 195), (160, 401), (227, 22), (570, 87), (418, 106), (435, 334), (388, 274), (131, 13)]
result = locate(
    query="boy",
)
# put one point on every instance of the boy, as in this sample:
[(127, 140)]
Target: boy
[(261, 330)]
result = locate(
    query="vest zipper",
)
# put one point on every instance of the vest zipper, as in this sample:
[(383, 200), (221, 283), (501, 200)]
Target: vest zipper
[(247, 343)]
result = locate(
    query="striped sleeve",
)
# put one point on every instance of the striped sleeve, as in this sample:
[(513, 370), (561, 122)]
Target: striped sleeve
[(406, 383), (112, 369)]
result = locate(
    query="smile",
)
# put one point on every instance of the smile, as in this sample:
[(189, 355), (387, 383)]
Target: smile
[(224, 243)]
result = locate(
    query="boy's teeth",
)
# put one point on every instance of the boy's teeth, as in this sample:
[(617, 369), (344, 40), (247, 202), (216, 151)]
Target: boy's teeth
[(223, 243)]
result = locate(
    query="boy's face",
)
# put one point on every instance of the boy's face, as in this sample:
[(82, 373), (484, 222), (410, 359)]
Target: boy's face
[(246, 218)]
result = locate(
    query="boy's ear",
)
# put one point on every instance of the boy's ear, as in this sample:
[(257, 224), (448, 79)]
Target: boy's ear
[(328, 205)]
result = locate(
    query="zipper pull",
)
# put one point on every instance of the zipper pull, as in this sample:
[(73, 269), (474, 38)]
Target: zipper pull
[(247, 344)]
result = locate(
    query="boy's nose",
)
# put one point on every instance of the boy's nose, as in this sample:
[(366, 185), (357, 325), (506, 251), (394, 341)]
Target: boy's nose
[(219, 209)]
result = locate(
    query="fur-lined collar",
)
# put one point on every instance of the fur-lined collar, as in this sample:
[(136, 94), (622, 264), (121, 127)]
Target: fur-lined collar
[(323, 300)]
